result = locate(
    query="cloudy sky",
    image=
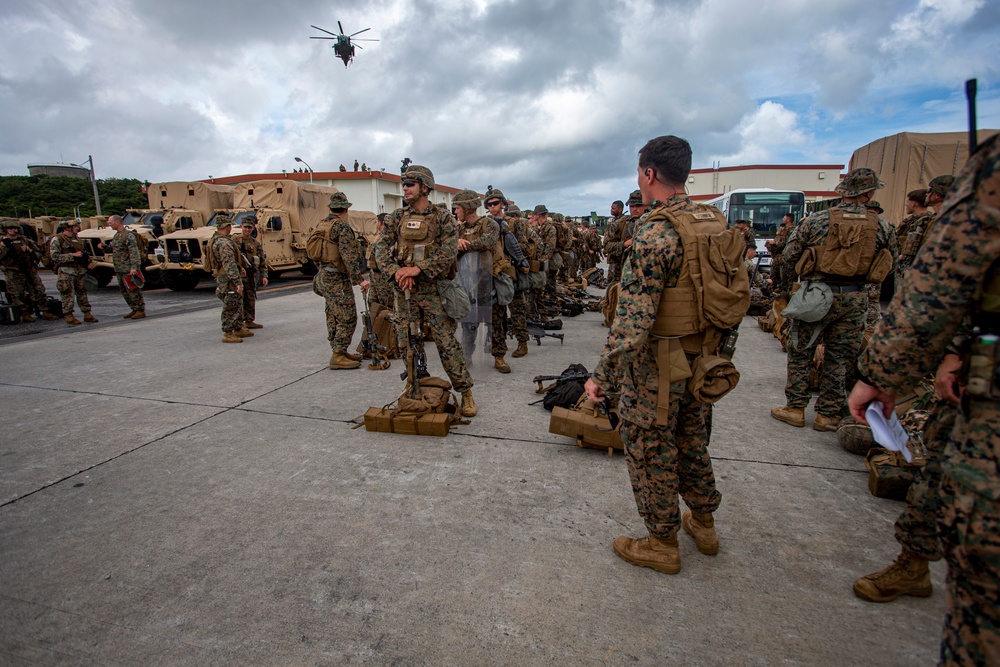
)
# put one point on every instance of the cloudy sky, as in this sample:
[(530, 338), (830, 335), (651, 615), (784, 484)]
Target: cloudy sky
[(549, 100)]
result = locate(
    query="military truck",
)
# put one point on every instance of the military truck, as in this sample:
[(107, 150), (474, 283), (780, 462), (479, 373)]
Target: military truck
[(287, 211), (96, 239)]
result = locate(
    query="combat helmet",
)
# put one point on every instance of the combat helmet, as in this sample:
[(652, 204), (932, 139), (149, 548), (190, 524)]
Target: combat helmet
[(513, 210), (495, 193), (418, 173), (854, 436), (6, 223), (65, 224), (941, 185), (635, 199), (338, 202), (467, 199), (858, 181)]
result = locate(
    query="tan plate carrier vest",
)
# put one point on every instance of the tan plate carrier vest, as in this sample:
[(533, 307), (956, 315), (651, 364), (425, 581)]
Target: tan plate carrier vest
[(75, 244), (322, 249), (848, 251), (500, 261), (693, 316)]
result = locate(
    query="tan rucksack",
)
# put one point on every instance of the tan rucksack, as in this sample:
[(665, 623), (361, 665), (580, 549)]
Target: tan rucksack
[(209, 262), (322, 250)]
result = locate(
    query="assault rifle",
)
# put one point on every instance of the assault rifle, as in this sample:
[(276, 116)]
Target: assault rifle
[(536, 331), (369, 343), (13, 249), (416, 359)]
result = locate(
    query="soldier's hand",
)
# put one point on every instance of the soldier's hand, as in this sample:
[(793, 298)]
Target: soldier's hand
[(463, 245), (364, 286), (239, 289), (78, 253), (263, 282), (594, 391), (863, 394), (946, 378), (92, 265)]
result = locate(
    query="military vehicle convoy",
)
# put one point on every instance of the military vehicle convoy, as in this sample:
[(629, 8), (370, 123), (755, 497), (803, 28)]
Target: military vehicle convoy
[(287, 212)]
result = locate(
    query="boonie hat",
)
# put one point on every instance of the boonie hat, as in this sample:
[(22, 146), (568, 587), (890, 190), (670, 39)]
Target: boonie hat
[(859, 181)]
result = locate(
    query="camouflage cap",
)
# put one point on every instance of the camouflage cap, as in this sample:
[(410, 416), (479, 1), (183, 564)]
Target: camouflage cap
[(248, 218), (467, 199), (338, 202), (513, 211), (558, 217), (941, 185), (222, 220), (859, 181), (635, 199), (495, 194), (418, 173), (540, 210), (875, 206)]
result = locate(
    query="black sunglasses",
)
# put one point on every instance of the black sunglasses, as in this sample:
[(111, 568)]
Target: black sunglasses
[(495, 202), (409, 184)]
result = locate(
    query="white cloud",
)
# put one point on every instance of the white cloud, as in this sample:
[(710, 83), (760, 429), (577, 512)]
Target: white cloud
[(763, 133)]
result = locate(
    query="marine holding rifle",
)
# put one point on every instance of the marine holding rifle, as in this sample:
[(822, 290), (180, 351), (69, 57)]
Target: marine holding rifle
[(417, 247), (253, 256), (19, 260)]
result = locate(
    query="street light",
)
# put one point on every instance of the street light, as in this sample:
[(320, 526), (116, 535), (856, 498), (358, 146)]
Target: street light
[(298, 159), (93, 181)]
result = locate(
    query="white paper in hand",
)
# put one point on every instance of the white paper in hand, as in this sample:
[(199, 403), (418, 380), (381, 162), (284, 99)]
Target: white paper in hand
[(890, 434)]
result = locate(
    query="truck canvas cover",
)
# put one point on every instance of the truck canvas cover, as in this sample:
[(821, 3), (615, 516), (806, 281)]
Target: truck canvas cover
[(203, 197), (364, 223), (908, 161), (306, 204)]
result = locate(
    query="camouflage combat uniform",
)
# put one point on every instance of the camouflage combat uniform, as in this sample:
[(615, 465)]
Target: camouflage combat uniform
[(253, 255), (662, 460), (337, 287), (228, 276), (126, 258), (842, 327), (611, 250), (782, 276), (510, 238), (21, 271), (941, 290), (912, 233), (70, 271), (425, 302), (483, 233), (380, 286)]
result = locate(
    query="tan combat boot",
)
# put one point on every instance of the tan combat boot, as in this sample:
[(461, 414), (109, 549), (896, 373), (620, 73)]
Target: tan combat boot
[(789, 415), (824, 423), (522, 349), (27, 318), (129, 315), (254, 325), (468, 404), (339, 361), (87, 317), (244, 333), (72, 321), (659, 553), (908, 575), (138, 315), (353, 357), (231, 337), (501, 364), (49, 316), (702, 528)]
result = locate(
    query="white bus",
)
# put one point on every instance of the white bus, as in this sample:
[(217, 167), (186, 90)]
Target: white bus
[(763, 208)]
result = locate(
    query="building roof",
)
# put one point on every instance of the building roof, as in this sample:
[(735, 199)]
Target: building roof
[(322, 175)]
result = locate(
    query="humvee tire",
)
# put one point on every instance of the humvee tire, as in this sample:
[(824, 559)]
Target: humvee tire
[(181, 281)]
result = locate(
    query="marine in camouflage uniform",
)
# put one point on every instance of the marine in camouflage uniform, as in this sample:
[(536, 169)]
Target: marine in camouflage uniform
[(229, 273), (478, 234), (127, 260), (253, 256), (955, 279), (782, 276), (19, 260), (381, 288), (913, 232), (843, 325), (67, 254), (625, 228), (610, 242), (669, 456), (335, 282), (546, 249), (417, 268), (512, 231)]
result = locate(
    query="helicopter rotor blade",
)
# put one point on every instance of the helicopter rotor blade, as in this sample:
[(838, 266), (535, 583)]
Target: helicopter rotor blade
[(357, 46), (322, 38), (359, 32), (364, 40), (340, 27), (322, 30)]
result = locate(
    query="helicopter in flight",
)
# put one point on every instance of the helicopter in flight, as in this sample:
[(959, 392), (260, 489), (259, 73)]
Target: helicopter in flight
[(344, 48)]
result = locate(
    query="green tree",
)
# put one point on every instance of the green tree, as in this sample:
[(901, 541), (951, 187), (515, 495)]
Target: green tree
[(24, 196)]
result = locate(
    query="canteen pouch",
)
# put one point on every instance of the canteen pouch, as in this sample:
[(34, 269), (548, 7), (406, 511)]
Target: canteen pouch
[(807, 263), (454, 299), (880, 268), (810, 303), (713, 377), (504, 286), (556, 262)]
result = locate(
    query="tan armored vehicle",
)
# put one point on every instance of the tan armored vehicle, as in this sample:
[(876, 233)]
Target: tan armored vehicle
[(189, 209), (96, 238)]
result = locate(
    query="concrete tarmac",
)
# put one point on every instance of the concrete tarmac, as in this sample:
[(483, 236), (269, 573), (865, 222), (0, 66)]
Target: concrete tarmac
[(166, 499)]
